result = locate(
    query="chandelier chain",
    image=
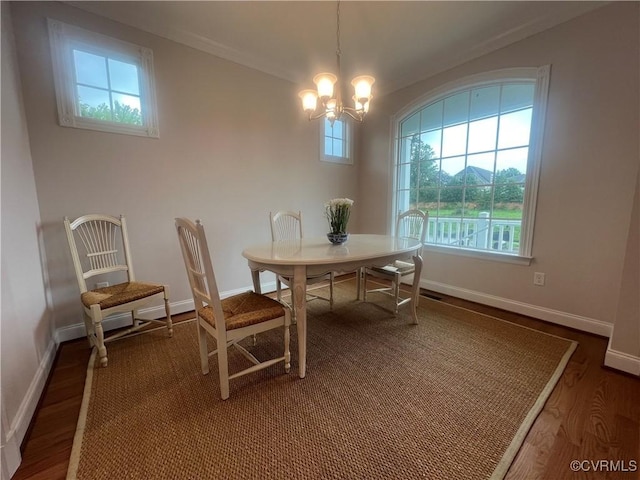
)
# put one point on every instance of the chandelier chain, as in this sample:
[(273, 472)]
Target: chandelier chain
[(338, 55), (338, 50)]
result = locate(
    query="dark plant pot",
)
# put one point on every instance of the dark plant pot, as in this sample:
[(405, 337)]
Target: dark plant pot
[(338, 238)]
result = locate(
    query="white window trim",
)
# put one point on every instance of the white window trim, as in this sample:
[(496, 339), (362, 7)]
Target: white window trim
[(481, 254), (348, 160), (62, 37), (541, 76)]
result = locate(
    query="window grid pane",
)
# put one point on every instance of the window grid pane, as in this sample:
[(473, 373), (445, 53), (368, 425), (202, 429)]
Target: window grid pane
[(335, 142), (123, 77), (90, 69)]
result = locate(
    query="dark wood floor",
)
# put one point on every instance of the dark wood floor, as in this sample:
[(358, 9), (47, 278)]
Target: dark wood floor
[(593, 414)]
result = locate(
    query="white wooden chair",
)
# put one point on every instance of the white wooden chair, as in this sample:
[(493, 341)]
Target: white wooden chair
[(287, 225), (231, 319), (413, 224), (104, 249)]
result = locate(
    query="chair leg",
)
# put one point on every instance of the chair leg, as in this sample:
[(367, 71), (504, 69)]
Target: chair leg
[(204, 353), (415, 288), (90, 329), (287, 338), (396, 285), (167, 310), (278, 289), (223, 367), (96, 315), (364, 284), (134, 318)]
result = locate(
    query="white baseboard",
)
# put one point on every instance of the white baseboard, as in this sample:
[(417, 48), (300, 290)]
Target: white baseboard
[(20, 424), (622, 361), (585, 324), (9, 458)]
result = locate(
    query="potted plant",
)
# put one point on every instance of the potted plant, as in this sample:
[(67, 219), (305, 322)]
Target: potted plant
[(337, 211)]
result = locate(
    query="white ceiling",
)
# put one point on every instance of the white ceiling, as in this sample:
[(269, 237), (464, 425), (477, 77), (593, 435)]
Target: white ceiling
[(398, 42)]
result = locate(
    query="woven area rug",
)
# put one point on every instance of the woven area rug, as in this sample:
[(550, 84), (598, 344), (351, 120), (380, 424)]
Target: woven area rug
[(450, 398)]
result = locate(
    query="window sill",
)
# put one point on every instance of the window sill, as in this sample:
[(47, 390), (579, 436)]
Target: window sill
[(334, 159), (482, 255), (111, 127)]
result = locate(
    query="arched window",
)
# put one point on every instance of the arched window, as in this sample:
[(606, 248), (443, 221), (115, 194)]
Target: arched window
[(469, 154)]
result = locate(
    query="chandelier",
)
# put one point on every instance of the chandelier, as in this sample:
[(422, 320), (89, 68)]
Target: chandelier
[(328, 91)]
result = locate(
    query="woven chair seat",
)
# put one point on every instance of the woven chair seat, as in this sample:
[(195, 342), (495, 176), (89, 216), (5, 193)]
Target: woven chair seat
[(119, 294), (245, 309), (397, 266)]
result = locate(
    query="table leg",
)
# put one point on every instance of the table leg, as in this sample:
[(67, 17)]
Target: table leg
[(415, 289), (300, 308), (255, 275)]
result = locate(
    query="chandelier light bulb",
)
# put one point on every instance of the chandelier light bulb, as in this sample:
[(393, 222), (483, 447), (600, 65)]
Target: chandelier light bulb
[(325, 83), (309, 100), (362, 86)]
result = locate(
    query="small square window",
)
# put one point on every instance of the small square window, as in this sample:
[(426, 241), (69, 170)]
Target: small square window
[(336, 141), (102, 83)]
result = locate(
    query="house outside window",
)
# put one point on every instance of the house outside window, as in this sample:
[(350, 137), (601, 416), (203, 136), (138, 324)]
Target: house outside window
[(469, 154), (336, 141), (102, 83)]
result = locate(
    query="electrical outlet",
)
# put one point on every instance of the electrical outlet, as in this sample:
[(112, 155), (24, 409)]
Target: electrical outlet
[(538, 278), (102, 284)]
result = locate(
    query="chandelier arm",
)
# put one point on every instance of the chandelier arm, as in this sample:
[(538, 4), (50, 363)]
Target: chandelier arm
[(357, 115), (353, 113), (316, 116)]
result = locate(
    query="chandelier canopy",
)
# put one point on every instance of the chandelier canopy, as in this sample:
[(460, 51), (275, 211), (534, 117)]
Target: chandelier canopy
[(328, 91)]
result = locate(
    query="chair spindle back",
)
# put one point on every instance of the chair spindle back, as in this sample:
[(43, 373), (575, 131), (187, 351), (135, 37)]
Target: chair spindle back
[(101, 237), (412, 224), (285, 225), (197, 260)]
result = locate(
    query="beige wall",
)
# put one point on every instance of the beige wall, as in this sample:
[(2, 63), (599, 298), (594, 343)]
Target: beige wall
[(233, 145), (590, 161), (26, 331)]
